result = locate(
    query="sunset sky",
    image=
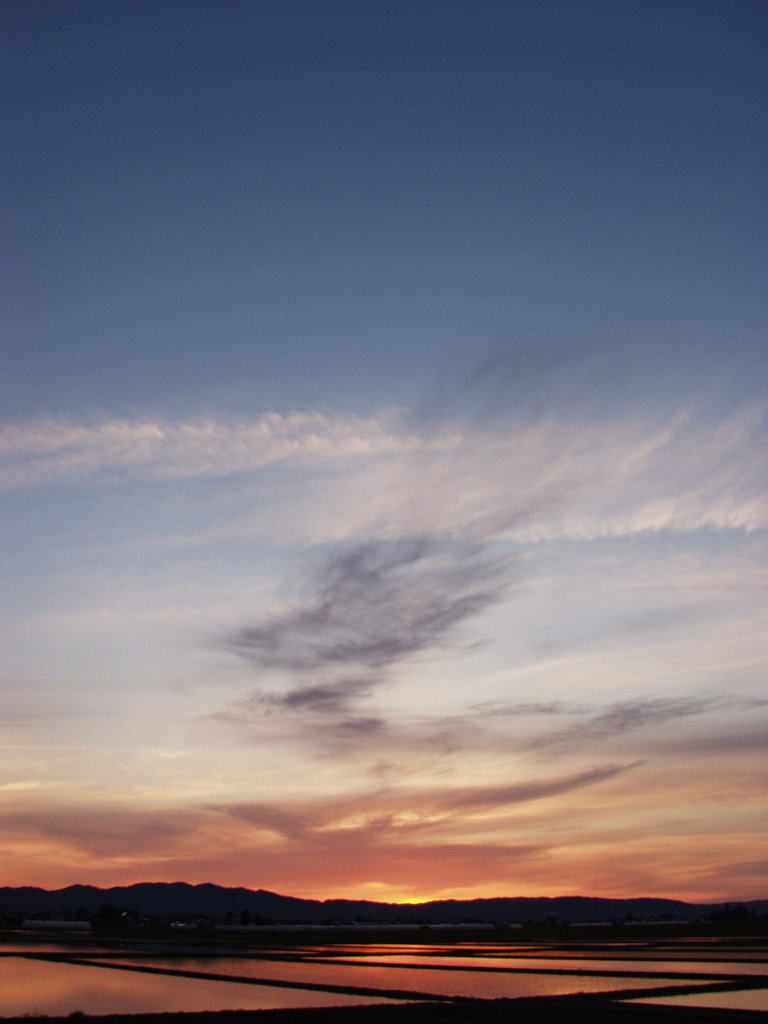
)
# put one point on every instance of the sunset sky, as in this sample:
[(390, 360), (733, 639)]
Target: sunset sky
[(383, 446)]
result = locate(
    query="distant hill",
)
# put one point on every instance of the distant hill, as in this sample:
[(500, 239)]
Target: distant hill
[(161, 899)]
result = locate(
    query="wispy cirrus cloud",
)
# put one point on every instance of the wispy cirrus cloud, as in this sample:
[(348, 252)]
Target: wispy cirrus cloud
[(54, 451), (546, 476)]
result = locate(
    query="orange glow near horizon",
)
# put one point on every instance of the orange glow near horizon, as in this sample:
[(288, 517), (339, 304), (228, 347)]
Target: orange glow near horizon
[(420, 873), (577, 830)]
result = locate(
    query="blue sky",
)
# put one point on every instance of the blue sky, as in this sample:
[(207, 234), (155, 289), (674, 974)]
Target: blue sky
[(383, 446)]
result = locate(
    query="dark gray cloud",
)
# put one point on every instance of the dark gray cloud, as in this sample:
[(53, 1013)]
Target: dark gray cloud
[(735, 740), (375, 604), (360, 725), (365, 609), (549, 707), (636, 714), (632, 715), (328, 697)]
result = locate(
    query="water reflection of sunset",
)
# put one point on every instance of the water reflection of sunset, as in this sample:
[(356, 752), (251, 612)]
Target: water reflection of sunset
[(128, 983), (57, 989)]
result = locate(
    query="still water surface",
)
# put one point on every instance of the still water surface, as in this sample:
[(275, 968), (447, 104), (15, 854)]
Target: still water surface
[(516, 962), (477, 984), (746, 999), (40, 987), (29, 986)]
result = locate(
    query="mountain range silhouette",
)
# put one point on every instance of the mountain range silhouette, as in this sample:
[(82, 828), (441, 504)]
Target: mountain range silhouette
[(165, 899)]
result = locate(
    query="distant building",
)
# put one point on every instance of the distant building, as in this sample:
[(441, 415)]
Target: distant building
[(56, 926)]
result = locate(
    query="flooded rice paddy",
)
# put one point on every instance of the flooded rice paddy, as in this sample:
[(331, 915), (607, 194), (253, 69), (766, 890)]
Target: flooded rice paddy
[(45, 988), (56, 980)]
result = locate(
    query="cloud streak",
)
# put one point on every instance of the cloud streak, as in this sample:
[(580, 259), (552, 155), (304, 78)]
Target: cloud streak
[(54, 451), (410, 810), (493, 797), (634, 715)]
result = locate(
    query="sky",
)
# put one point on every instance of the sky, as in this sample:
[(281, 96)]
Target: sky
[(383, 446)]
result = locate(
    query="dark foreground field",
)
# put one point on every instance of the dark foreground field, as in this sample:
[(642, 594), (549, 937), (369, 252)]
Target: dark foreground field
[(544, 1010)]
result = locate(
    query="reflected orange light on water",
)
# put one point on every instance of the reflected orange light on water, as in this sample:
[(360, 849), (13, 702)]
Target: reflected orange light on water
[(55, 989)]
